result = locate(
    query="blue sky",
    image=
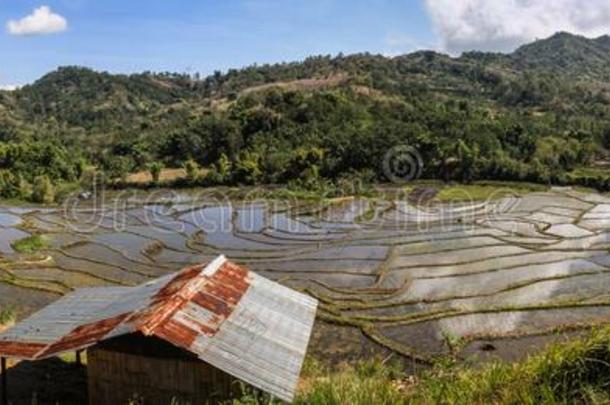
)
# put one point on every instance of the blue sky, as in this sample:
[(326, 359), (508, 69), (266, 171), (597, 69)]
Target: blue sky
[(37, 36), (204, 35)]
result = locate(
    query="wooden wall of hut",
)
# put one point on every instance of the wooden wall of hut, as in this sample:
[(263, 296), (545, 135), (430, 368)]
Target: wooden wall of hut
[(142, 370)]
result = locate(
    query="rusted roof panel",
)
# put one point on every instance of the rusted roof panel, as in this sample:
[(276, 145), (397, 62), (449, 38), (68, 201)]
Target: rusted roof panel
[(21, 349), (265, 339), (58, 320), (244, 324)]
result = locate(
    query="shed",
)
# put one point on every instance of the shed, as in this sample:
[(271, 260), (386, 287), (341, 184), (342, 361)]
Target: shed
[(184, 336)]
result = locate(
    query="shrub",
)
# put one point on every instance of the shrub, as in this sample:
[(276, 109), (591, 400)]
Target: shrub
[(192, 170), (155, 171), (223, 167), (7, 315), (10, 184), (212, 178), (247, 168), (42, 190)]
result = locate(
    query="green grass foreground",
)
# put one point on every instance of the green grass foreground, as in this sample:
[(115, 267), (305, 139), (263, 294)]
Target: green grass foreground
[(574, 372), (577, 371)]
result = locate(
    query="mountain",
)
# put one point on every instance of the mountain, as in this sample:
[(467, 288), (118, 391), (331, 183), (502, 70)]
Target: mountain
[(536, 114), (77, 95), (81, 96), (564, 52)]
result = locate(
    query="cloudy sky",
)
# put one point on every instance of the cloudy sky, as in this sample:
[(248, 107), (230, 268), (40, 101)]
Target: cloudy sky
[(203, 35)]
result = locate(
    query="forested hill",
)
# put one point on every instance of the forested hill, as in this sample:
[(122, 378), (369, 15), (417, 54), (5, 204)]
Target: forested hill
[(537, 114)]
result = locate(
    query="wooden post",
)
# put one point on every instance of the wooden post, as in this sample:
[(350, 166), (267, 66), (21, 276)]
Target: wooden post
[(4, 382), (79, 361)]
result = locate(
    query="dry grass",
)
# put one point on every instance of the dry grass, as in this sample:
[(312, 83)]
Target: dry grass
[(222, 104), (167, 175), (302, 84)]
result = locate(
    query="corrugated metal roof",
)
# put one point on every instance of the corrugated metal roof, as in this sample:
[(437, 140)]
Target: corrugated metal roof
[(248, 326)]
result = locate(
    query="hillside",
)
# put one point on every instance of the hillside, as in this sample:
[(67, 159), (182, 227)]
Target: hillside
[(536, 114), (566, 53)]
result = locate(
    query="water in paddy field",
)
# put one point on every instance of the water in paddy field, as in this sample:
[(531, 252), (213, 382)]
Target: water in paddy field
[(403, 276)]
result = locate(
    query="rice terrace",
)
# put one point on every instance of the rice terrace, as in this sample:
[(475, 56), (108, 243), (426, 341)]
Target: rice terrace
[(329, 202), (417, 279)]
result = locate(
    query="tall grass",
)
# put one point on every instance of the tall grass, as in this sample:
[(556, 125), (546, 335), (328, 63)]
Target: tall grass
[(574, 372), (367, 383), (371, 382)]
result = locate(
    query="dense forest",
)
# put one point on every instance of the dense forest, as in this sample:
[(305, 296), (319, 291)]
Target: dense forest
[(540, 114)]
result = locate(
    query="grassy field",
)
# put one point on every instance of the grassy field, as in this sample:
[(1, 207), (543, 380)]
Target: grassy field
[(574, 372)]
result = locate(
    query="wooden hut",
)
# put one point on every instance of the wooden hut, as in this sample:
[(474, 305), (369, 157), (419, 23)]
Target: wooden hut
[(187, 337), (151, 370)]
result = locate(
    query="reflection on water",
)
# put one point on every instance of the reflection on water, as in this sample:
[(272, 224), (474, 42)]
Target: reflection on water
[(403, 273)]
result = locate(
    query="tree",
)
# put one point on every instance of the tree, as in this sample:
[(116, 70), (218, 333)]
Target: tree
[(223, 167), (10, 184), (118, 168), (467, 158), (247, 168), (43, 191), (155, 169), (192, 170)]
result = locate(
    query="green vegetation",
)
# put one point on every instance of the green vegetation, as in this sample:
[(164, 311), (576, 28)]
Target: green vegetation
[(483, 191), (30, 244), (372, 382), (155, 171), (42, 190), (535, 115), (7, 315), (574, 372), (192, 171)]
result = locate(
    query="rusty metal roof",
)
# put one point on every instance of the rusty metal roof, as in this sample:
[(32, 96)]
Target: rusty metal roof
[(248, 326)]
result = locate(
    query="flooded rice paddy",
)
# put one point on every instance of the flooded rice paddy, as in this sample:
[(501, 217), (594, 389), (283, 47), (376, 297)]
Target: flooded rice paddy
[(411, 279)]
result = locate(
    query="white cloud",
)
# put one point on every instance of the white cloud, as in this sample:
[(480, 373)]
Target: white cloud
[(8, 87), (503, 25), (41, 21)]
